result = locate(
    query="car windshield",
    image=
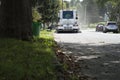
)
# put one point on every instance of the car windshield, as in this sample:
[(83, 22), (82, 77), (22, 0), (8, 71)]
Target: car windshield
[(111, 23), (100, 25), (67, 14)]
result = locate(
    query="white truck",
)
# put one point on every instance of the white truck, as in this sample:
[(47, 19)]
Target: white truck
[(68, 21)]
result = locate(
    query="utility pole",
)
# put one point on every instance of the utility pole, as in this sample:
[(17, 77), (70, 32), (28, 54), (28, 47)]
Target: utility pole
[(85, 16), (62, 4)]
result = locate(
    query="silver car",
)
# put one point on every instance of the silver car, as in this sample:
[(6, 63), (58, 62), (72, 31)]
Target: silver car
[(111, 26)]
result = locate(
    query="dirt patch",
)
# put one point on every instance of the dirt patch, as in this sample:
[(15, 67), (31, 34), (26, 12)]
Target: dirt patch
[(69, 68)]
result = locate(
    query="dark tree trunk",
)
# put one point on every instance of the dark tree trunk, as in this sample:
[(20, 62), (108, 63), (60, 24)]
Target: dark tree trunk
[(16, 19)]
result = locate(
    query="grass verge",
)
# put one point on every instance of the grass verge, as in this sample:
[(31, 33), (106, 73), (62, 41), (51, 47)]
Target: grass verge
[(22, 60)]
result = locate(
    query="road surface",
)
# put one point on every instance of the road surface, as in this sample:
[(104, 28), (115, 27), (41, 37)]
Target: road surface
[(97, 52)]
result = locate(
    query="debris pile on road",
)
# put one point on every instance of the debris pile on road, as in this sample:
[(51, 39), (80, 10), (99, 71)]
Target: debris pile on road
[(68, 68)]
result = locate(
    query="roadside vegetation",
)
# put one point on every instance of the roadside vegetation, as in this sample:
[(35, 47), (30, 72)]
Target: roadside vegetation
[(23, 60), (95, 24)]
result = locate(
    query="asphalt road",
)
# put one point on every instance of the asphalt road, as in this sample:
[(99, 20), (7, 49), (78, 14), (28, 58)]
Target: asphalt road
[(98, 53)]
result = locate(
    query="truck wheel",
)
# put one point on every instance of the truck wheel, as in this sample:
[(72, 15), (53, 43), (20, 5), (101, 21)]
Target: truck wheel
[(76, 31), (104, 31), (115, 32)]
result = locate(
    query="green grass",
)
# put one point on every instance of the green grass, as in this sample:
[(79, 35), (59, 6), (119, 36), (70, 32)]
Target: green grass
[(22, 60), (46, 34)]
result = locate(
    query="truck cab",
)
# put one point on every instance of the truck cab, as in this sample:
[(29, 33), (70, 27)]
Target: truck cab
[(68, 21)]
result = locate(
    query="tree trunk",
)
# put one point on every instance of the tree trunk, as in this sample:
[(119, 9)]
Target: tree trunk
[(16, 19)]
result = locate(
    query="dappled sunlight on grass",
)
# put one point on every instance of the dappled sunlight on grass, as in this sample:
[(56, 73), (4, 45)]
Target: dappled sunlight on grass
[(20, 60), (46, 34)]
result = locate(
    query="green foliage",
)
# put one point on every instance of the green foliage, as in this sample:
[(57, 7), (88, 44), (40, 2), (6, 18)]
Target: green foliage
[(112, 8), (46, 34), (35, 15), (21, 60), (49, 9), (62, 5)]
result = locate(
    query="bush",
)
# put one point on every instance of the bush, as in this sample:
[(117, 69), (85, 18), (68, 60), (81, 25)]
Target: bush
[(36, 15)]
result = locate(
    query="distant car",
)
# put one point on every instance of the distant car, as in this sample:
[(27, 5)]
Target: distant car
[(111, 26), (99, 27)]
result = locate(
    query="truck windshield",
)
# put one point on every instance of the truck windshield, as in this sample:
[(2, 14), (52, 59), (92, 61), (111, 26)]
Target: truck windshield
[(67, 14)]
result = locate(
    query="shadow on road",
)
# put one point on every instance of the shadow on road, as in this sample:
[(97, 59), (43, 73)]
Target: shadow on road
[(99, 62), (70, 32)]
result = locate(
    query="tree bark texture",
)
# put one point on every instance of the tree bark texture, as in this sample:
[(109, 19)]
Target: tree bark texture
[(16, 19)]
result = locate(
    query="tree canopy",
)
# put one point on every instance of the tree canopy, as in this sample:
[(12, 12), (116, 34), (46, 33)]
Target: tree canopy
[(48, 9), (16, 16), (112, 8)]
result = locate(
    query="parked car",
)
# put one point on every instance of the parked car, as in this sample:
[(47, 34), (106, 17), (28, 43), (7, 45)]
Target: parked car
[(99, 27), (111, 26)]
